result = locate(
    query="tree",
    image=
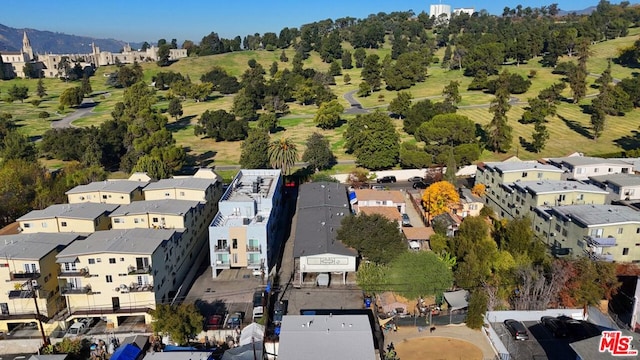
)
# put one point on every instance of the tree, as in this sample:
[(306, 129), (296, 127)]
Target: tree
[(17, 92), (181, 322), (375, 237), (273, 69), (153, 166), (71, 96), (498, 130), (540, 136), (41, 91), (243, 106), (346, 78), (423, 111), (401, 105), (438, 198), (221, 125), (451, 93), (371, 72), (359, 55), (175, 108), (452, 168), (347, 60), (283, 154), (17, 146), (373, 139), (18, 179), (449, 132), (598, 119), (476, 310), (268, 121), (334, 68), (86, 85), (371, 277), (255, 150), (418, 274), (318, 152), (328, 115), (364, 89), (283, 57)]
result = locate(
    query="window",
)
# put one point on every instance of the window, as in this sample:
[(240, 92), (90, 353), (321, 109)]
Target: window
[(155, 219), (92, 261), (108, 278), (121, 259), (181, 193), (135, 221), (596, 232), (580, 171), (524, 174), (595, 170), (620, 230), (112, 260), (561, 197), (564, 232), (234, 244), (98, 260), (557, 227), (63, 224), (540, 175), (610, 170), (625, 251), (638, 230), (30, 268), (26, 225), (104, 197), (580, 197), (117, 220), (167, 194)]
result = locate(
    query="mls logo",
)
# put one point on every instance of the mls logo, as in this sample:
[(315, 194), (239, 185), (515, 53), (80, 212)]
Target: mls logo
[(617, 344)]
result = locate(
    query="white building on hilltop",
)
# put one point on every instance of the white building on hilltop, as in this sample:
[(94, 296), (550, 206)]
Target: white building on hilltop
[(439, 9)]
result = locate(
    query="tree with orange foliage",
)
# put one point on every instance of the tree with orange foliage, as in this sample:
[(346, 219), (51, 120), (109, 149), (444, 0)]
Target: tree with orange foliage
[(438, 198), (478, 189)]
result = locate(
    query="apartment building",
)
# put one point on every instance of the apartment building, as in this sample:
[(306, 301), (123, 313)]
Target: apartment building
[(160, 214), (119, 273), (107, 192), (602, 232), (499, 176), (387, 198), (581, 167), (80, 218), (620, 186), (27, 265), (246, 232)]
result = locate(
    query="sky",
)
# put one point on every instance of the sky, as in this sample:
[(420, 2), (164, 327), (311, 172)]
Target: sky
[(150, 20)]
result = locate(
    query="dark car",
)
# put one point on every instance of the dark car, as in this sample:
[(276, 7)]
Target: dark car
[(555, 326), (214, 322), (235, 320), (416, 179), (279, 310), (386, 179), (517, 329), (580, 330), (420, 185), (258, 298)]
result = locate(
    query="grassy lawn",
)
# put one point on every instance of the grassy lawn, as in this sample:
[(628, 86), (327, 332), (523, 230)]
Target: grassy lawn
[(571, 126)]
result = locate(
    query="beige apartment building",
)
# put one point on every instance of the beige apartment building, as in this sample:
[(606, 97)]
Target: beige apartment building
[(602, 232), (582, 167), (624, 187), (28, 264), (120, 273), (159, 214), (107, 192), (79, 218)]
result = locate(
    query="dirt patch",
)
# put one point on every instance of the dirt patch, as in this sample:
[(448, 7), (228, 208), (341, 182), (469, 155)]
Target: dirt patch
[(437, 348)]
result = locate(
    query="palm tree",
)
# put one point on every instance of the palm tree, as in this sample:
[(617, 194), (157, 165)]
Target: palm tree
[(283, 154)]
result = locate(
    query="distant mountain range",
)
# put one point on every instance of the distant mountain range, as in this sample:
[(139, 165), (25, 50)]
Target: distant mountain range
[(586, 11), (56, 43)]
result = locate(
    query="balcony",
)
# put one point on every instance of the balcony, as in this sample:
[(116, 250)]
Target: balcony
[(84, 272), (224, 249), (254, 248), (132, 270), (72, 290), (22, 276), (599, 256), (135, 287), (223, 264)]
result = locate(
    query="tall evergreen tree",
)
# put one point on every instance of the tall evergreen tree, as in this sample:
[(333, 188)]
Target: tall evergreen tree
[(255, 150), (540, 135), (41, 91), (498, 130)]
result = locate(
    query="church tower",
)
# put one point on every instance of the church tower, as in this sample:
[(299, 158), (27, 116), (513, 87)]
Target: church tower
[(26, 48)]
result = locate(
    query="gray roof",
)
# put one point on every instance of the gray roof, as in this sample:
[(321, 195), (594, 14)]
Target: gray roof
[(586, 160), (130, 241), (116, 186), (85, 211), (589, 349), (181, 183), (184, 355), (620, 180), (591, 215), (165, 206), (33, 246), (321, 208), (559, 186), (515, 166), (326, 337), (469, 197)]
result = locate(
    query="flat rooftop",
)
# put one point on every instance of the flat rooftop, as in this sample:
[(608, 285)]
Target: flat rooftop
[(116, 186), (620, 180), (252, 185), (83, 211), (586, 160), (33, 246), (165, 206), (130, 241), (559, 186), (320, 337), (516, 166), (187, 183), (591, 215)]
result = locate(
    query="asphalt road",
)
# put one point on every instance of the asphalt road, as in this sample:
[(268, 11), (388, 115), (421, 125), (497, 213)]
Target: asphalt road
[(85, 108)]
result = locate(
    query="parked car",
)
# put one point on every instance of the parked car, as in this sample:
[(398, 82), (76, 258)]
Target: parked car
[(555, 326), (405, 220), (420, 185), (78, 328), (386, 179), (258, 298), (214, 322), (279, 310), (235, 320), (416, 179), (377, 187), (517, 329), (580, 330)]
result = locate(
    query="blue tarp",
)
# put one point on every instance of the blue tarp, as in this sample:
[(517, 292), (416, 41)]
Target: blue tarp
[(126, 352), (352, 197), (179, 348)]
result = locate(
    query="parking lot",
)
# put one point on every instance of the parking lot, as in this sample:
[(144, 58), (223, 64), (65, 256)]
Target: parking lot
[(541, 343)]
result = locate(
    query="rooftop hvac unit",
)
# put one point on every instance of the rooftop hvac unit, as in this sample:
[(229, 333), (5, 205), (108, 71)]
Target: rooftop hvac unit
[(246, 221)]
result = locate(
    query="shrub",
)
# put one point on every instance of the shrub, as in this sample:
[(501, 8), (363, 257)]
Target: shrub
[(44, 114)]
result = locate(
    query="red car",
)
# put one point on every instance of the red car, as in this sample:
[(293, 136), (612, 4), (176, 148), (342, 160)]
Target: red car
[(214, 322)]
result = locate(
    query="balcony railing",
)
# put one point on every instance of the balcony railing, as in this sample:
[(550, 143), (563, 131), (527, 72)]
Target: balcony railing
[(223, 263), (134, 287), (254, 248), (221, 249), (75, 273), (21, 276), (71, 290), (143, 270)]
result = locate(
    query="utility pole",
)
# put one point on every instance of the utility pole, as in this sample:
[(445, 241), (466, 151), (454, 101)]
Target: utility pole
[(45, 340)]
